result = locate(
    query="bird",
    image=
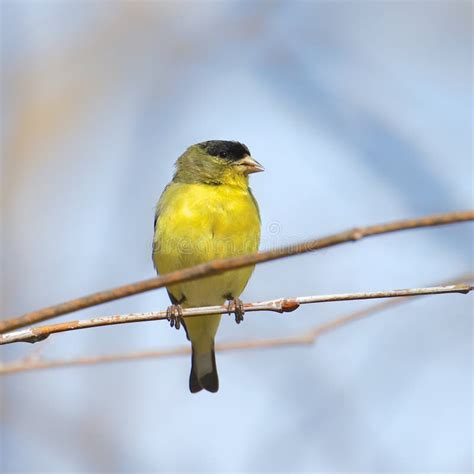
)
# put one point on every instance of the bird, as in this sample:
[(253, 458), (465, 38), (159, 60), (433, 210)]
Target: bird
[(207, 212)]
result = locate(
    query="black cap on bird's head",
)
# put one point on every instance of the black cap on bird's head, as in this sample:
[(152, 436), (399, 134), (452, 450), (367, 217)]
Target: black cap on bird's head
[(231, 151), (235, 153), (215, 161)]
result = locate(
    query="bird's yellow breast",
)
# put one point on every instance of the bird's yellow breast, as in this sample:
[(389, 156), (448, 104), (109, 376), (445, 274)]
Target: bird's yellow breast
[(200, 222)]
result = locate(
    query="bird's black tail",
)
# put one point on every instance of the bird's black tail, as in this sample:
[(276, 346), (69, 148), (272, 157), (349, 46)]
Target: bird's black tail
[(203, 372)]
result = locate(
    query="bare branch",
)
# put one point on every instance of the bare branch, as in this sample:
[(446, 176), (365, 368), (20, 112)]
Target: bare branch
[(281, 305), (220, 266), (307, 337)]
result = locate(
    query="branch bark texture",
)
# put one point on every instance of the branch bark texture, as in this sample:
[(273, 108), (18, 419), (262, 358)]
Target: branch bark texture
[(281, 305), (310, 336), (220, 266)]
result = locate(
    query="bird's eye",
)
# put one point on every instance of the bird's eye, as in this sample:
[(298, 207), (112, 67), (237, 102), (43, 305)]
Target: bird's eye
[(222, 154)]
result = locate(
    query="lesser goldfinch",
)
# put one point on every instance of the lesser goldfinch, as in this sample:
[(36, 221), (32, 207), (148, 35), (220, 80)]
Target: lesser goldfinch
[(207, 212)]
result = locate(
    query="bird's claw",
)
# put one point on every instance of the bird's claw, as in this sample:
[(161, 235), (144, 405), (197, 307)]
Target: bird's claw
[(237, 307), (174, 314)]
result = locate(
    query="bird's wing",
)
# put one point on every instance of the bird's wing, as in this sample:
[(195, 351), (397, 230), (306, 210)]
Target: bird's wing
[(156, 242), (256, 204)]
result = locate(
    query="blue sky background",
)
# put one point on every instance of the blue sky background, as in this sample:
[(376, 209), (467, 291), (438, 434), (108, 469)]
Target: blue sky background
[(361, 112)]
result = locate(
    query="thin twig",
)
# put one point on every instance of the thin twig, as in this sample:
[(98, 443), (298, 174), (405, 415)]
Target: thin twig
[(281, 305), (307, 337), (216, 267)]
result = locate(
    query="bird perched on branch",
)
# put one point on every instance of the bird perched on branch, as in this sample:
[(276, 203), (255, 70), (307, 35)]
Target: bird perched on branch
[(207, 212)]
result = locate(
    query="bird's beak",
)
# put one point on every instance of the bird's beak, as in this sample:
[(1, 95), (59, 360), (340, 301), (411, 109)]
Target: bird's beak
[(250, 165)]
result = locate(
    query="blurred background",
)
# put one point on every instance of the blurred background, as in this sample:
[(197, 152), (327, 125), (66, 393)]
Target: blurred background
[(361, 112)]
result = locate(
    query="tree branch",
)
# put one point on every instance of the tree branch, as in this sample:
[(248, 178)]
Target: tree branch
[(307, 337), (281, 305), (220, 266)]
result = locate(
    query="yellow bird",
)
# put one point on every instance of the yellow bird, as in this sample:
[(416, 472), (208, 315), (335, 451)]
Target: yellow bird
[(207, 212)]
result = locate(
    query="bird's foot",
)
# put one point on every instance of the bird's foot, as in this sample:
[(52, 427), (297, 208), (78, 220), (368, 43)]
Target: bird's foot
[(237, 307), (174, 314)]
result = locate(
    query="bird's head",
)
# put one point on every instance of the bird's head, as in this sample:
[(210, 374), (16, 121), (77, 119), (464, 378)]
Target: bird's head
[(216, 162)]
